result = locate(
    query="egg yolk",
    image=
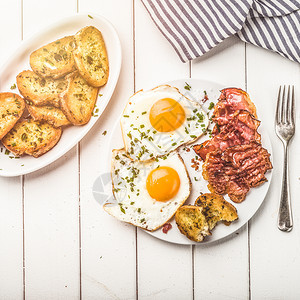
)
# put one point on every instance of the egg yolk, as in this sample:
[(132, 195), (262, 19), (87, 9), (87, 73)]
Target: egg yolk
[(166, 115), (163, 183)]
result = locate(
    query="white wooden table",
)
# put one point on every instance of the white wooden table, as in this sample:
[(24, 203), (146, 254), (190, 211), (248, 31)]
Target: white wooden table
[(55, 240)]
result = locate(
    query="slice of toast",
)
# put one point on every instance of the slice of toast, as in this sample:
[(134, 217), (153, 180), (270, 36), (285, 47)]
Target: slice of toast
[(11, 109), (49, 114), (90, 56), (55, 59), (31, 137), (216, 208), (192, 223), (39, 90), (78, 101)]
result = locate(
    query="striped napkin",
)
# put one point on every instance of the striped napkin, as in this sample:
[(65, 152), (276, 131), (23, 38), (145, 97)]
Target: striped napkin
[(193, 27)]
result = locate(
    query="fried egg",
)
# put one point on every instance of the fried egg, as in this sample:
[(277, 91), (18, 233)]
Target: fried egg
[(148, 193), (158, 121)]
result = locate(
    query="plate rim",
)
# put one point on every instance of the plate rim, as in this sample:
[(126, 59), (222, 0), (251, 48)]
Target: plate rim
[(188, 242)]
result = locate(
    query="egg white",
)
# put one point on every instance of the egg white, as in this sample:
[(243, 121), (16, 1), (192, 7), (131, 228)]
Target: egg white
[(142, 141), (133, 203)]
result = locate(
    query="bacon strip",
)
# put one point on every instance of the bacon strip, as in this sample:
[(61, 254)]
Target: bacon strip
[(241, 129), (230, 101), (237, 169)]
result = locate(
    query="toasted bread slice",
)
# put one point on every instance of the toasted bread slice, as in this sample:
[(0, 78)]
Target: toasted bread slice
[(216, 208), (11, 109), (192, 222), (90, 56), (55, 59), (39, 90), (78, 101), (49, 114), (31, 137)]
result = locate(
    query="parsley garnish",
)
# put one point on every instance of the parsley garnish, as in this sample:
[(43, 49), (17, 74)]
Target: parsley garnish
[(122, 209), (211, 105), (187, 86)]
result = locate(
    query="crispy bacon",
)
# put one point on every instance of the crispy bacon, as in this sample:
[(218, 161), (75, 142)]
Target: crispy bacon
[(237, 169), (231, 100), (241, 129)]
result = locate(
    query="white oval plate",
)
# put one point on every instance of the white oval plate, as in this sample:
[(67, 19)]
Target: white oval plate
[(246, 209), (19, 61)]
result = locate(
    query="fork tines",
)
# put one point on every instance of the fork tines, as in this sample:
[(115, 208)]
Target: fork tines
[(285, 106)]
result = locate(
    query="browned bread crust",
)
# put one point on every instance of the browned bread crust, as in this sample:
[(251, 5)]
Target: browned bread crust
[(39, 90), (78, 101), (49, 114), (216, 208), (54, 59), (91, 57), (11, 109), (192, 223), (31, 137)]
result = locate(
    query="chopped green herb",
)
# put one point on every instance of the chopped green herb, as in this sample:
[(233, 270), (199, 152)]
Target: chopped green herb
[(13, 86), (211, 105), (90, 17), (142, 220), (7, 152), (144, 112), (187, 86), (125, 116), (122, 209), (104, 132)]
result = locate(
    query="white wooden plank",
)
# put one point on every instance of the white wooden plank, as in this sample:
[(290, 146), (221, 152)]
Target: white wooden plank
[(220, 266), (52, 261), (11, 239), (11, 219), (275, 255), (164, 270), (108, 246)]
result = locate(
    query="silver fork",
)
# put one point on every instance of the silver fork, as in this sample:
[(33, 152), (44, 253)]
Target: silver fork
[(285, 129)]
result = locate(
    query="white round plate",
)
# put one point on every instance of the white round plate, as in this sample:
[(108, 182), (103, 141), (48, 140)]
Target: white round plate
[(19, 61), (246, 209)]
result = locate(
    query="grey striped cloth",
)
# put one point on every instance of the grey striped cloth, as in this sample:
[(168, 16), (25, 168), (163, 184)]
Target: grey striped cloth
[(193, 27)]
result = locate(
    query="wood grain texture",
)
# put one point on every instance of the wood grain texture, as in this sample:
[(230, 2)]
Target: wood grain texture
[(108, 246), (51, 203), (224, 64), (74, 250), (164, 270), (11, 218), (274, 256)]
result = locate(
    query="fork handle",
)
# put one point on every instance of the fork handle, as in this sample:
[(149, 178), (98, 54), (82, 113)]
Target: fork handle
[(285, 219)]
